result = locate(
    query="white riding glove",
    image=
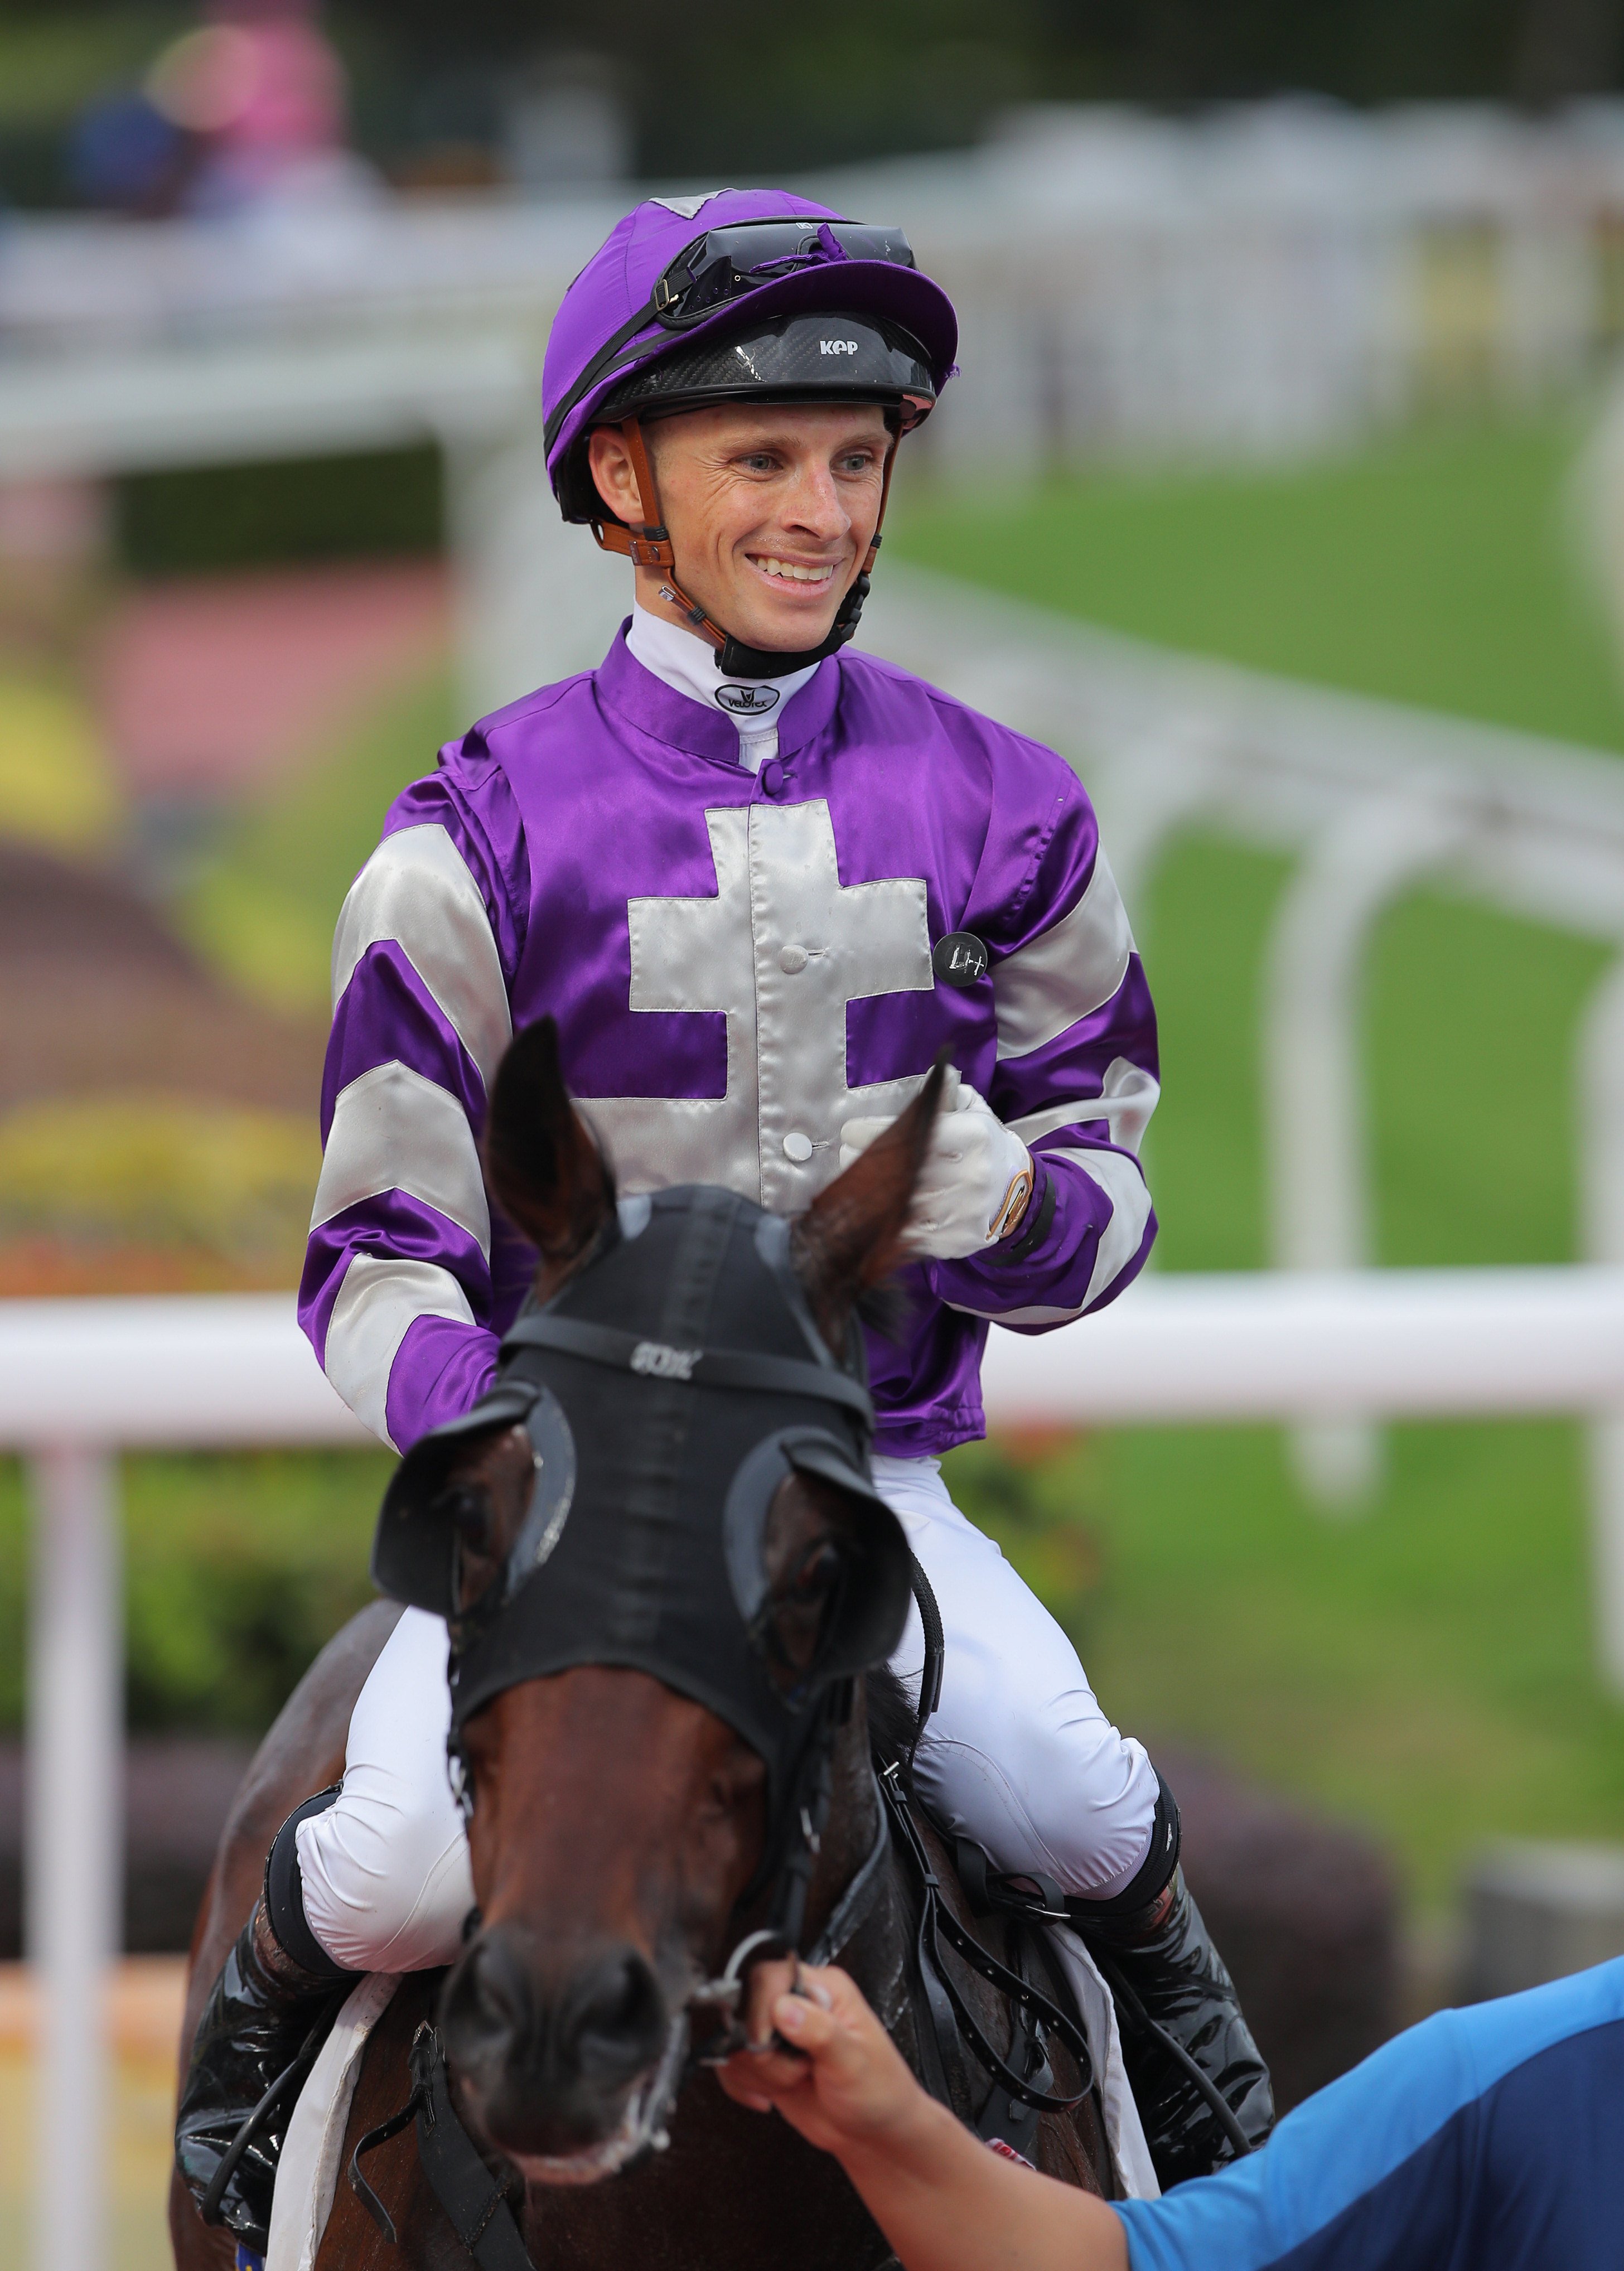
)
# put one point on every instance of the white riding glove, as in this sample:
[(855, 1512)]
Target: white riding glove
[(975, 1182)]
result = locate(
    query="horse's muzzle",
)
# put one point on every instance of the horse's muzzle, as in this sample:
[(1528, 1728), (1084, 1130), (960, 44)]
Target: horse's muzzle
[(548, 2063)]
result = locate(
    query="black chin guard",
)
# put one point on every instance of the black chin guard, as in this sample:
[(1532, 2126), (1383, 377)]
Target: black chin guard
[(667, 1391)]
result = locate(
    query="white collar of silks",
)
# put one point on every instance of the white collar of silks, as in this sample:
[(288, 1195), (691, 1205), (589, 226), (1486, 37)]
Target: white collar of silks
[(686, 663)]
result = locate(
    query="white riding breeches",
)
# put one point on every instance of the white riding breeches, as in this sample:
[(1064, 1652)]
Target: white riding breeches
[(1018, 1756)]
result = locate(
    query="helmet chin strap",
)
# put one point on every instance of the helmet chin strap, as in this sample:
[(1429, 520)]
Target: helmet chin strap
[(649, 546)]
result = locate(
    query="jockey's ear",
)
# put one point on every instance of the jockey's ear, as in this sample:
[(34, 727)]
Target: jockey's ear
[(850, 1238), (548, 1176)]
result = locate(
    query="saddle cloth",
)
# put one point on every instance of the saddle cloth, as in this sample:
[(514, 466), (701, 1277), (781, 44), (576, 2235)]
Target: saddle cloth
[(312, 2161)]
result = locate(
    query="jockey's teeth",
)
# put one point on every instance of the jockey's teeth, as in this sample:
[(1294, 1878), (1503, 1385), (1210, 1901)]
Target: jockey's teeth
[(796, 575)]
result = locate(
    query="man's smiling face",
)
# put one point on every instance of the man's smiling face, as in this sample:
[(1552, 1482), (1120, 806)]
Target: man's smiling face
[(771, 511)]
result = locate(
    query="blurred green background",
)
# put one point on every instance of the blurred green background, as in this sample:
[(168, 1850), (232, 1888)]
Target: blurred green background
[(1426, 1668)]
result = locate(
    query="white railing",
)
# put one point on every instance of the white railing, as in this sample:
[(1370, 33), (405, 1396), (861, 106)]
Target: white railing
[(81, 1381), (1266, 279)]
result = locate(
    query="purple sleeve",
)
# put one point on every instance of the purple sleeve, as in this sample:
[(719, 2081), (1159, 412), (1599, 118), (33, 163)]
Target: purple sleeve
[(1076, 1079), (407, 1281)]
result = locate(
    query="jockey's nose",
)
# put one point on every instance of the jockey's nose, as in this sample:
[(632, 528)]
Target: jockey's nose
[(549, 2059)]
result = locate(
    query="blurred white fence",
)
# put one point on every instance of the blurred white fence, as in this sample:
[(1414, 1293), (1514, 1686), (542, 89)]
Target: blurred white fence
[(1269, 278), (81, 1381)]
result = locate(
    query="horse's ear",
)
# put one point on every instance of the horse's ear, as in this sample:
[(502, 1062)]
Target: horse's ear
[(549, 1177), (851, 1237)]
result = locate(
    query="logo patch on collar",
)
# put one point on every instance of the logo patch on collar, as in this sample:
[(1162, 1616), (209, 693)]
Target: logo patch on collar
[(747, 700)]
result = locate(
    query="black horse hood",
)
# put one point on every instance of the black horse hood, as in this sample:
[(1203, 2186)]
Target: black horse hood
[(667, 1391)]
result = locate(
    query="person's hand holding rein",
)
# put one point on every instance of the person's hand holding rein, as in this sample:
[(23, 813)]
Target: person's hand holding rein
[(942, 2199)]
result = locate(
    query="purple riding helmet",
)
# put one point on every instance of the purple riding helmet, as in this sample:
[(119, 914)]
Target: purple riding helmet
[(745, 295)]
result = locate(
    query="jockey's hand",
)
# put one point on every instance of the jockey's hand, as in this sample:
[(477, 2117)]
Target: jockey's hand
[(822, 2059), (973, 1187)]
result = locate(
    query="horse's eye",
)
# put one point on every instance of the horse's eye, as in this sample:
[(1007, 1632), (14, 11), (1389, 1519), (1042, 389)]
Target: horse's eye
[(467, 1507), (818, 1575)]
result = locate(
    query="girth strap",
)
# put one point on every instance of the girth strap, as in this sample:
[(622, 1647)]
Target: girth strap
[(474, 2200), (701, 1367)]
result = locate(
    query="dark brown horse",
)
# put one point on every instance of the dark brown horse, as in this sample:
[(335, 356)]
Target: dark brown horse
[(615, 1826)]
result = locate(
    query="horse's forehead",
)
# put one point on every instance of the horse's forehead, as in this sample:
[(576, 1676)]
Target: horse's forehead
[(605, 1710)]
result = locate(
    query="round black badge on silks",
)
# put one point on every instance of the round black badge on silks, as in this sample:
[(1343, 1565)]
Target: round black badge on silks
[(960, 958)]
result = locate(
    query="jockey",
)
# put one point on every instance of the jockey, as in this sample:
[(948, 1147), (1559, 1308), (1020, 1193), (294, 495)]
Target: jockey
[(760, 880)]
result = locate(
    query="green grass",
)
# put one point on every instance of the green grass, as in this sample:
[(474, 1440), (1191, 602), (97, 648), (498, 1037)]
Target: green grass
[(1423, 1671), (1438, 568), (1426, 1669)]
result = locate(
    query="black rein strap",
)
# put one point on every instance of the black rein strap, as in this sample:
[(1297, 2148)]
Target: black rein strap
[(938, 1922), (475, 2201), (936, 1646)]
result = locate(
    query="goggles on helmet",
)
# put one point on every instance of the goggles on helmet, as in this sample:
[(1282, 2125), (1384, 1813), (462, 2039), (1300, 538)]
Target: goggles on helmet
[(724, 262)]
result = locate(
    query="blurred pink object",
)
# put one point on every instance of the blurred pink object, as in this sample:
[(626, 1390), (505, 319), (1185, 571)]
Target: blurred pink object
[(260, 83), (214, 687)]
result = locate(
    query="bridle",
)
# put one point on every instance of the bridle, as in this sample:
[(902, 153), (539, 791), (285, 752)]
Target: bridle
[(477, 2204), (645, 2128)]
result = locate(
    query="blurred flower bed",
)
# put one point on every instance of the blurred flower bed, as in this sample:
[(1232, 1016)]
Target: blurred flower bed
[(211, 684), (204, 1193)]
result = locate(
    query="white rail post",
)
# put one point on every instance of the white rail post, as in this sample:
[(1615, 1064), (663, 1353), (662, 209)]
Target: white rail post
[(1146, 792), (1601, 1101), (1314, 1087), (74, 1846)]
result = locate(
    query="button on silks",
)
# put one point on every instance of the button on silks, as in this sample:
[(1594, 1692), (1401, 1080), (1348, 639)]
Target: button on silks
[(792, 959), (798, 1148)]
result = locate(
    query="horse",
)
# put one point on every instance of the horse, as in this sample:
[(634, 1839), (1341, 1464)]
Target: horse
[(617, 1831)]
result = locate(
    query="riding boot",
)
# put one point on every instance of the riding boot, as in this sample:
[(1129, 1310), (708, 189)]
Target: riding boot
[(263, 2023), (1169, 1980)]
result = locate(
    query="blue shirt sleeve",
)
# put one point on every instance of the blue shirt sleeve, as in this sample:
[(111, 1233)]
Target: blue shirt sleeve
[(1483, 2140)]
